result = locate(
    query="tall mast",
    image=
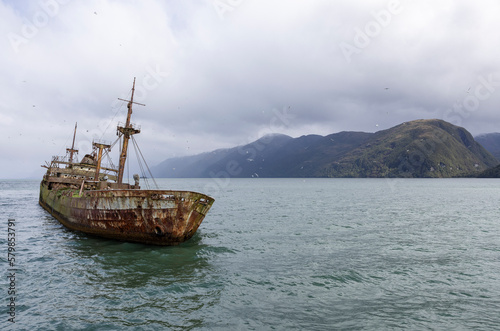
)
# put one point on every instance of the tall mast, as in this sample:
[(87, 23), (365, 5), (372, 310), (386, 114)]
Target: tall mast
[(127, 131), (72, 150)]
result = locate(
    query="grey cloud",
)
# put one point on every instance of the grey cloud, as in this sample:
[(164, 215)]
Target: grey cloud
[(213, 79)]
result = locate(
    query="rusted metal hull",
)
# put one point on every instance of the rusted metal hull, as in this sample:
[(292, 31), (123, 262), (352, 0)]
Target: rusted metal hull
[(159, 217)]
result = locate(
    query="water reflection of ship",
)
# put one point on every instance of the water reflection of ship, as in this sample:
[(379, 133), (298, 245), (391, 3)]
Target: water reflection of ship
[(125, 265)]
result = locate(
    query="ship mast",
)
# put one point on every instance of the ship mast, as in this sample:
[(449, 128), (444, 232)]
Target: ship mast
[(72, 150), (127, 131)]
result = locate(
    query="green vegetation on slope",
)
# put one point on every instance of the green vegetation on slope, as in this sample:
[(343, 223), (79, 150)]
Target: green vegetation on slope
[(490, 173), (422, 148)]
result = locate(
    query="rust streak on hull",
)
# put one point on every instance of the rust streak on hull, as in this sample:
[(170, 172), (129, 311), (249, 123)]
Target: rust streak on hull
[(92, 198), (158, 217)]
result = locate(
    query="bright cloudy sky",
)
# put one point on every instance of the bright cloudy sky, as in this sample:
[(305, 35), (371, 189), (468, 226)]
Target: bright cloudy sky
[(220, 73)]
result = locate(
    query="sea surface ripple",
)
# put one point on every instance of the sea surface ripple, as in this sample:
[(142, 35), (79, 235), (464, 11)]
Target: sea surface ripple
[(272, 254)]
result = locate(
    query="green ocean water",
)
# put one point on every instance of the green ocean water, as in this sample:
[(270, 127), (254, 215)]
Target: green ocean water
[(272, 254)]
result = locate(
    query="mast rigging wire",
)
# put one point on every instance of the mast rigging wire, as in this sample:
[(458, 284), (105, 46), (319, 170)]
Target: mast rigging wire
[(144, 160)]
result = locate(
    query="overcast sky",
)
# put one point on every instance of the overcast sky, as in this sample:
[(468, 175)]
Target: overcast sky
[(220, 73)]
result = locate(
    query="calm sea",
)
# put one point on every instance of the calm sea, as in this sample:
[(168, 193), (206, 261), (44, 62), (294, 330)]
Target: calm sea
[(306, 254)]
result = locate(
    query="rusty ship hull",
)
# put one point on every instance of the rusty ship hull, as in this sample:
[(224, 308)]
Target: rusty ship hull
[(158, 217), (92, 197)]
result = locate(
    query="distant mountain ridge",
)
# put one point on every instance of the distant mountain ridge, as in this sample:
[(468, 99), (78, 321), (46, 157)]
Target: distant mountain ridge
[(421, 148), (490, 141)]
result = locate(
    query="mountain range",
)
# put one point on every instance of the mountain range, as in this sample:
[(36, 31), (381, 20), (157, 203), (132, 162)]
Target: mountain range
[(420, 148), (490, 141)]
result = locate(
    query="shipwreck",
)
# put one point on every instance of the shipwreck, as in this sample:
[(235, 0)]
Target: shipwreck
[(90, 197)]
